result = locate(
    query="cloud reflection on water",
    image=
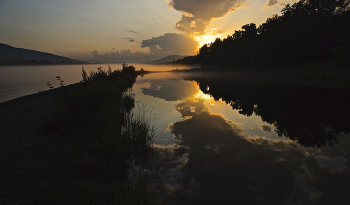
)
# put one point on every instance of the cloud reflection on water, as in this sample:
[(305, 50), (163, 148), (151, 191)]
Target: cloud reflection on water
[(171, 90), (213, 163), (216, 160)]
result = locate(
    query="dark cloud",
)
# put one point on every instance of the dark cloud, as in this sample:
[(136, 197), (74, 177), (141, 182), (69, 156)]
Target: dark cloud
[(94, 53), (130, 39), (131, 31), (171, 43), (197, 14), (271, 3), (159, 47), (266, 128)]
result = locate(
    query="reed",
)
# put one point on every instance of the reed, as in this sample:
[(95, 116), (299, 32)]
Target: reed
[(101, 140)]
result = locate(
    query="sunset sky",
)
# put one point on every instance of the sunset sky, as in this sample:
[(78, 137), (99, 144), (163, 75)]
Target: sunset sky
[(133, 30)]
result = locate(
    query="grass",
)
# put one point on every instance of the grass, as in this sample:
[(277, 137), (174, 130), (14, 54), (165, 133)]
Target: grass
[(98, 142)]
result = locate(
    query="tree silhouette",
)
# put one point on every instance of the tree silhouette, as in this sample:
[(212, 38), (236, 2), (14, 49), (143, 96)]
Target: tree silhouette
[(306, 31)]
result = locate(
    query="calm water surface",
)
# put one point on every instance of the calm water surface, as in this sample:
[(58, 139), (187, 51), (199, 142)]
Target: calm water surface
[(17, 81), (231, 139), (218, 140)]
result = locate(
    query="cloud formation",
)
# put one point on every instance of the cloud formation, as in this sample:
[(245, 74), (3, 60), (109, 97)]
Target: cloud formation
[(266, 128), (171, 43), (171, 90), (159, 47), (271, 3), (131, 31), (213, 156), (130, 39), (197, 14)]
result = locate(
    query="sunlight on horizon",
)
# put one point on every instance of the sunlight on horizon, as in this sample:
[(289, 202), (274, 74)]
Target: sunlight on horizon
[(210, 36)]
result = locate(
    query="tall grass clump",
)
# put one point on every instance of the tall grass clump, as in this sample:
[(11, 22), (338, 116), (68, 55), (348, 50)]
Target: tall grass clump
[(102, 140), (140, 134)]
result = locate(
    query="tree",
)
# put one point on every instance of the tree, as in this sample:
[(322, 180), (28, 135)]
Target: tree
[(204, 50)]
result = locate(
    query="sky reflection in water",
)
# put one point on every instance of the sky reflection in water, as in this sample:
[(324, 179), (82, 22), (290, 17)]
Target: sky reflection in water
[(17, 81), (208, 153)]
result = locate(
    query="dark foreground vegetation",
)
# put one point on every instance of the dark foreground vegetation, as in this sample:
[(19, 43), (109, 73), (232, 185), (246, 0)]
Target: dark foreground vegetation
[(307, 31), (99, 143)]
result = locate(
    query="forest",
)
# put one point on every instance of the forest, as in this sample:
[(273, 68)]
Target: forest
[(305, 32)]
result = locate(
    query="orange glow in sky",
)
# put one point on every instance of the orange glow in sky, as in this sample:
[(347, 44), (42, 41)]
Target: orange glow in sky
[(210, 36), (114, 31)]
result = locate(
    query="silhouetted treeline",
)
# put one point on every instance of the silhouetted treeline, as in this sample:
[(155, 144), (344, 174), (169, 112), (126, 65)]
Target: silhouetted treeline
[(43, 62), (307, 31)]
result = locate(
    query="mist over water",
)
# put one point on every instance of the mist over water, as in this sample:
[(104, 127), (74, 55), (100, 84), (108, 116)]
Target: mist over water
[(17, 81)]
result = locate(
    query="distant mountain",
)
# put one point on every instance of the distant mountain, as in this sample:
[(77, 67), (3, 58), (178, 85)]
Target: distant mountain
[(12, 54), (167, 59)]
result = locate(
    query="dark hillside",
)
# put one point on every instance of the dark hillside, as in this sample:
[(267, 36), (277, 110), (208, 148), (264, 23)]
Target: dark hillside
[(12, 54)]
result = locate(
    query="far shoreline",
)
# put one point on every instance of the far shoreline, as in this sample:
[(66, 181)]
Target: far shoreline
[(308, 72)]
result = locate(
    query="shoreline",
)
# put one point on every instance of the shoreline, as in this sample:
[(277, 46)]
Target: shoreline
[(41, 93), (38, 161), (302, 72)]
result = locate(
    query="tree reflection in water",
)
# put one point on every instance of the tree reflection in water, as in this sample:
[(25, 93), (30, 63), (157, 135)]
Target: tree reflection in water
[(213, 162), (306, 114)]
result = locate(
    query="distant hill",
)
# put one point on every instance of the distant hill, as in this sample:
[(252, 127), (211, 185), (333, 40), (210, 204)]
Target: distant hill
[(167, 59), (12, 54)]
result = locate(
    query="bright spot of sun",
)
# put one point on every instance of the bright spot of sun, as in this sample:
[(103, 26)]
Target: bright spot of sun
[(205, 39), (210, 36)]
